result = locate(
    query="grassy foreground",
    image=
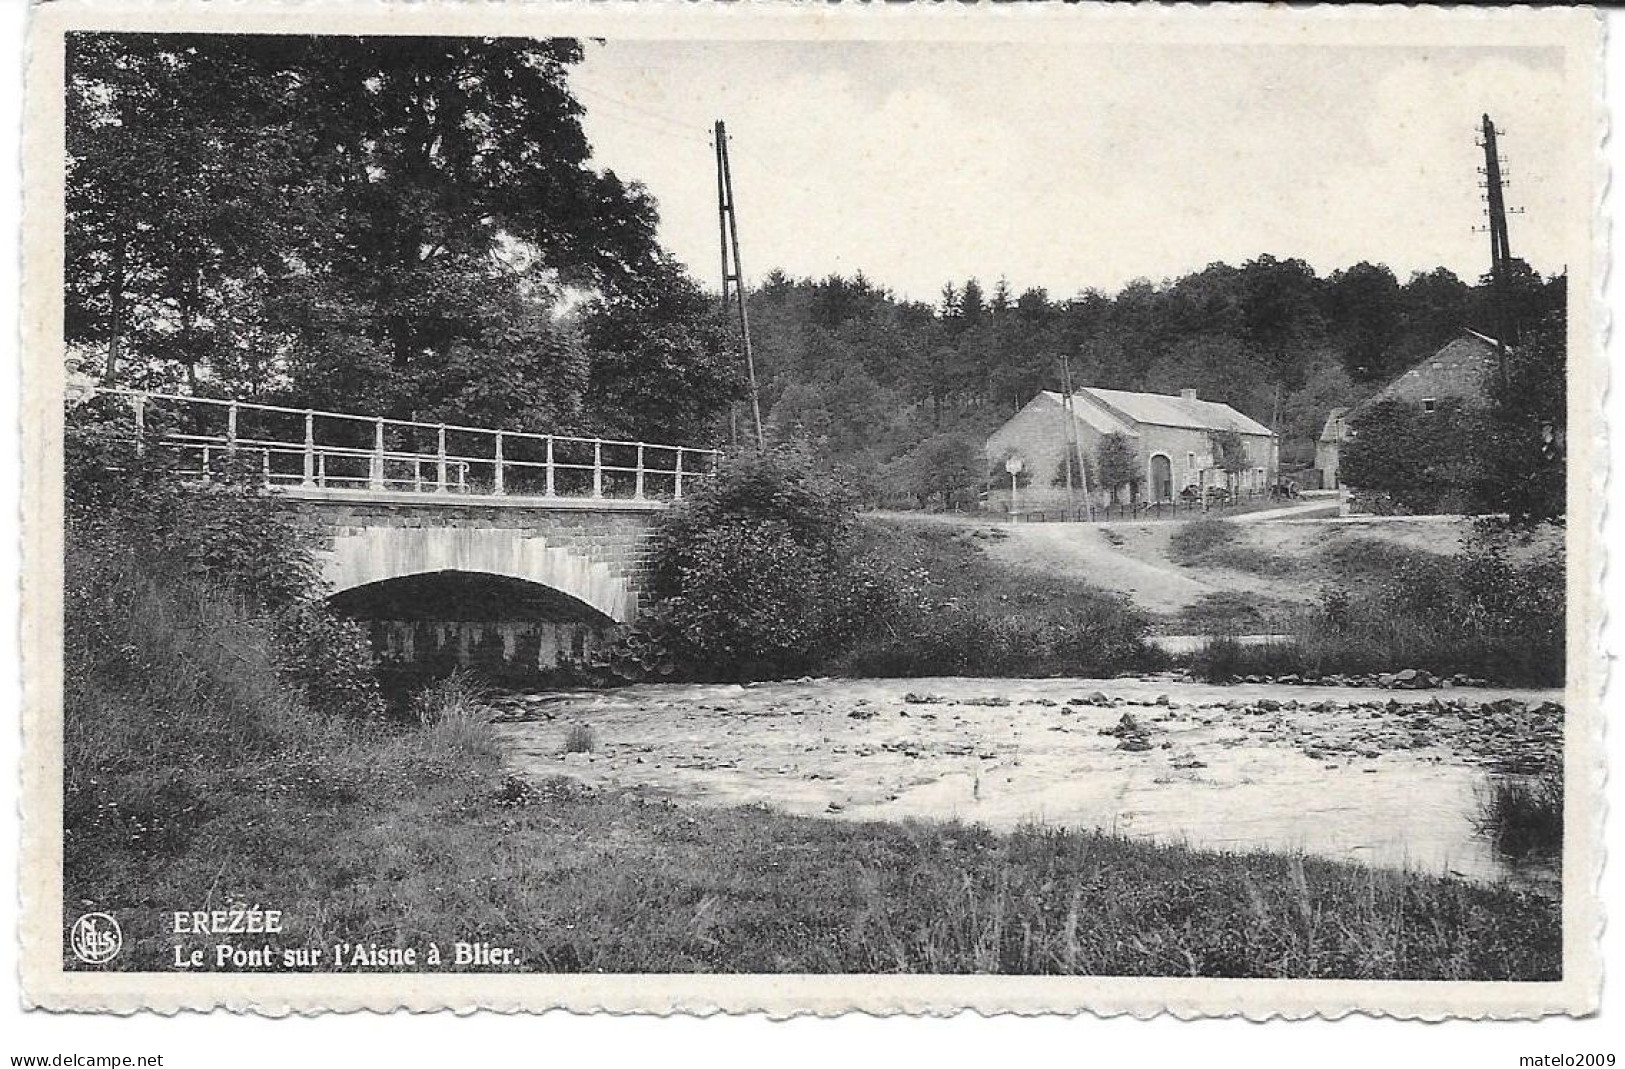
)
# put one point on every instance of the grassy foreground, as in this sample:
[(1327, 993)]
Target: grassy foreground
[(196, 779), (404, 836)]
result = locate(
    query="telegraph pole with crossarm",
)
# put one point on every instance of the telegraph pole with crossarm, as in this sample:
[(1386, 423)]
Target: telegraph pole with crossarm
[(733, 273)]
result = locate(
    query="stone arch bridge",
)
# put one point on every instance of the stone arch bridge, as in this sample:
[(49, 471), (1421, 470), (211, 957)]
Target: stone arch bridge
[(594, 554), (514, 551)]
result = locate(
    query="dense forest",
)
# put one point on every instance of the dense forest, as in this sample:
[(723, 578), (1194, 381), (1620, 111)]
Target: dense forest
[(412, 227), (904, 391)]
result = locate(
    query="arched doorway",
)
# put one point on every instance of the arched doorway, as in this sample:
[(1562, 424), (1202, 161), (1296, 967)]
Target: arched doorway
[(1162, 477)]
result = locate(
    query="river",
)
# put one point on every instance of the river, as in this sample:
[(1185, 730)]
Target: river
[(1387, 778)]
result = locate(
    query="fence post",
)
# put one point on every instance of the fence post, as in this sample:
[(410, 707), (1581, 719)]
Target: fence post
[(597, 468), (206, 458), (549, 466), (310, 447), (637, 486), (677, 491), (139, 403), (321, 470), (497, 481), (231, 429), (417, 475), (265, 468), (375, 478), (440, 461)]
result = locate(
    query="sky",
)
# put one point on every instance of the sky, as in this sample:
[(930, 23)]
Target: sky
[(1071, 167)]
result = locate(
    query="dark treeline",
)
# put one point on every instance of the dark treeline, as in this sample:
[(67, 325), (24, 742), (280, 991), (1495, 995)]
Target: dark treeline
[(903, 391), (413, 227), (394, 225)]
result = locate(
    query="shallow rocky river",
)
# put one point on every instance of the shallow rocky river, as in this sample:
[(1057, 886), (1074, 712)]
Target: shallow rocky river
[(1390, 778)]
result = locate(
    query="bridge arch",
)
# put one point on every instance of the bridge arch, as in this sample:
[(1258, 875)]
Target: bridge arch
[(362, 556)]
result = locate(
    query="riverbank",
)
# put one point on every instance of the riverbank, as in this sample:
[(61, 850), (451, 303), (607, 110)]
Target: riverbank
[(1387, 778), (405, 836)]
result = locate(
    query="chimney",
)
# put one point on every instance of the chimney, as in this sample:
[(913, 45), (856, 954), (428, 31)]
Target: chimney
[(1188, 394)]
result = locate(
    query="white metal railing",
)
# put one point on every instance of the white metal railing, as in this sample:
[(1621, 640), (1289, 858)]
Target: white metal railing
[(337, 450)]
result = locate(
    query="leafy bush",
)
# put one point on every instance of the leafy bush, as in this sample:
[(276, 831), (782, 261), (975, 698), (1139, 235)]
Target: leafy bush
[(1424, 461), (760, 573)]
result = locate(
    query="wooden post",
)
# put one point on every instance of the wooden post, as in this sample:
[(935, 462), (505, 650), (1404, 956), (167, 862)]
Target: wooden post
[(597, 468), (206, 458), (231, 429), (321, 470), (499, 486), (677, 490), (440, 461), (139, 403), (549, 467), (637, 488), (265, 467), (310, 447), (417, 475), (375, 478)]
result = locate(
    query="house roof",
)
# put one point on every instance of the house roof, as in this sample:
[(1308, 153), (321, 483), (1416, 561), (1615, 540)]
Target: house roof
[(1092, 415), (1462, 368), (1173, 410)]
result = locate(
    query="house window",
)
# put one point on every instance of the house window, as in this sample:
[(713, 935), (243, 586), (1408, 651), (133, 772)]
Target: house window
[(1429, 404)]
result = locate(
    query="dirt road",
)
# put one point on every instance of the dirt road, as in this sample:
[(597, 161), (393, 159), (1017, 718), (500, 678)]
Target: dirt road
[(1134, 559)]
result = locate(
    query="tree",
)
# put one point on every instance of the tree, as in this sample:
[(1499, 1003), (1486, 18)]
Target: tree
[(1229, 451), (385, 216), (1119, 464), (1365, 304), (947, 466), (1424, 461), (1526, 473), (663, 364)]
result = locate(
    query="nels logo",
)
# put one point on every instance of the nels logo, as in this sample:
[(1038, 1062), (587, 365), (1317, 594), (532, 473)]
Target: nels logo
[(95, 939)]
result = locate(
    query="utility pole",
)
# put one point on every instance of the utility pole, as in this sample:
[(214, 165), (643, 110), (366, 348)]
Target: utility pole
[(1075, 447), (1500, 249), (733, 272)]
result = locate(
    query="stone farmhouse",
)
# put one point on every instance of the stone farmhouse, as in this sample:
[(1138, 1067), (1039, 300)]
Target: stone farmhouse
[(1458, 372), (1171, 436)]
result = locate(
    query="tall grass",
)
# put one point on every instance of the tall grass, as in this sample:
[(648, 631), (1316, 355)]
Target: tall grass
[(1522, 817), (1194, 540), (453, 718), (1477, 614), (192, 770)]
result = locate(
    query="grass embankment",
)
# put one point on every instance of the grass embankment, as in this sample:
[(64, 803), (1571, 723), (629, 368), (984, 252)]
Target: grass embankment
[(1494, 610), (195, 780), (968, 615)]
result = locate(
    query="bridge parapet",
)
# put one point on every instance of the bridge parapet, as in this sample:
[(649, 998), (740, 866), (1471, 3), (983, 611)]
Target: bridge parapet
[(308, 450)]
